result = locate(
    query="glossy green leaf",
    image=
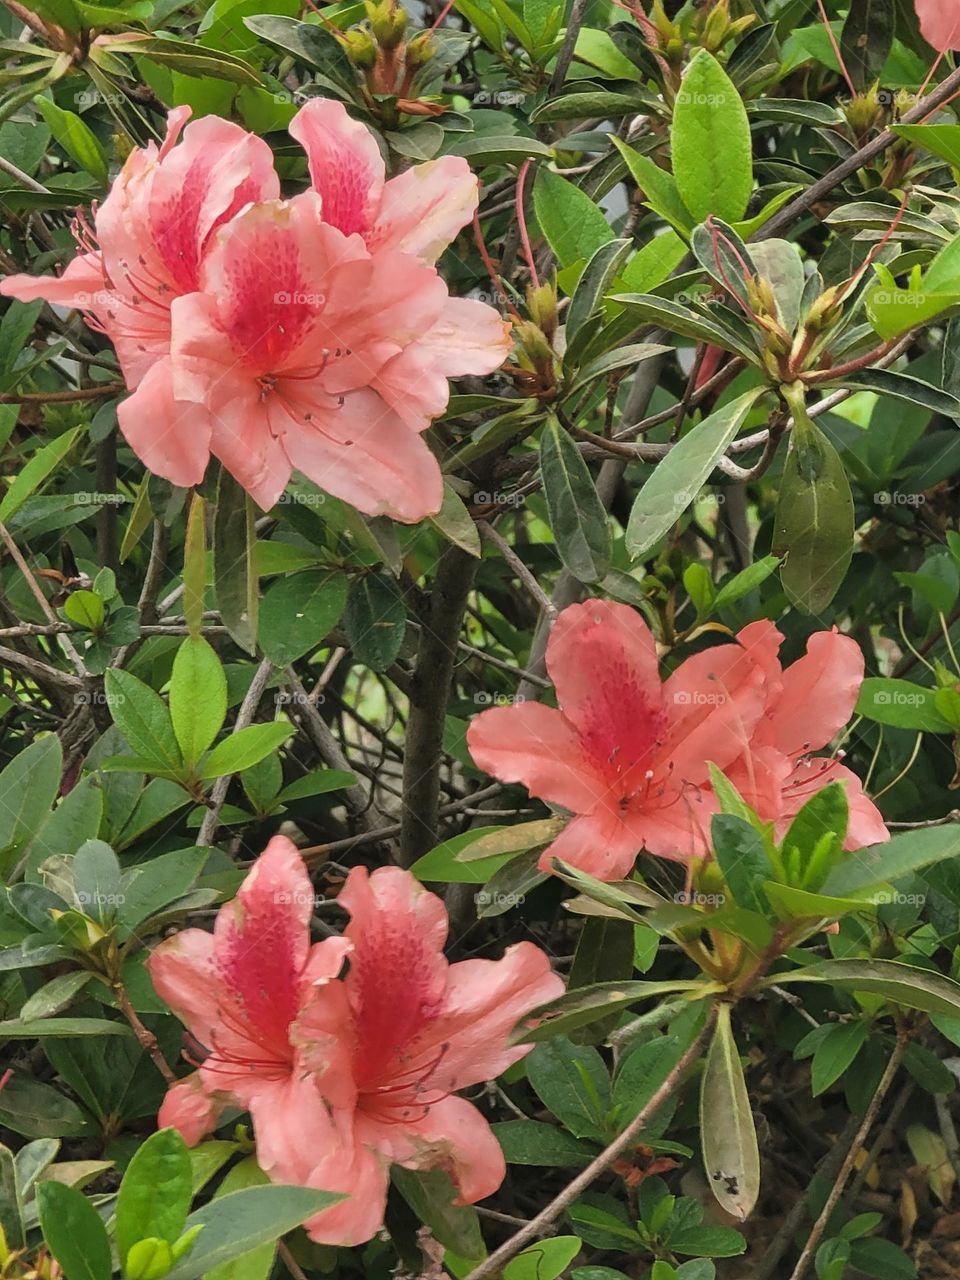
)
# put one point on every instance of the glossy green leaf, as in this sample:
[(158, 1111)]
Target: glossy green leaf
[(577, 516), (731, 1158), (711, 143), (198, 697), (74, 1232)]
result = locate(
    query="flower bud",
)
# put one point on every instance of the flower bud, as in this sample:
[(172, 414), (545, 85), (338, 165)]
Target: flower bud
[(542, 305), (360, 47), (420, 49), (388, 21)]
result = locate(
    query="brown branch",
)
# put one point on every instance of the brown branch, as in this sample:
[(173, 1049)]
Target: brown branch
[(537, 1227), (429, 694), (100, 392)]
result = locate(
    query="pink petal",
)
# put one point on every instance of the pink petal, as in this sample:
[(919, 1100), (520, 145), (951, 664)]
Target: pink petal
[(346, 167), (819, 694), (324, 1038), (170, 437), (292, 1127), (714, 701), (537, 746), (602, 658), (262, 946), (82, 285), (183, 971), (216, 170), (452, 1135), (485, 999), (423, 209), (398, 973), (361, 452), (205, 370), (469, 338), (191, 1109), (676, 825), (599, 843), (344, 1163), (940, 23)]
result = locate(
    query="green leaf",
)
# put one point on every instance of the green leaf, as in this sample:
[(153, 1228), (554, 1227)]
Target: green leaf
[(195, 565), (11, 1217), (835, 1053), (545, 1260), (86, 609), (431, 1194), (76, 138), (456, 523), (256, 1264), (577, 517), (74, 1232), (198, 697), (243, 748), (96, 880), (36, 1110), (942, 139), (234, 562), (572, 1082), (592, 287), (814, 522), (529, 1142), (299, 612), (742, 583), (445, 862), (317, 784), (61, 1028), (711, 142), (574, 226), (43, 463), (902, 984), (236, 1223), (309, 44), (54, 995), (579, 1007), (155, 1194), (604, 954), (28, 787), (902, 704), (659, 188), (742, 857), (375, 620), (867, 39), (152, 885), (678, 478), (190, 59), (730, 1154), (901, 856), (142, 717)]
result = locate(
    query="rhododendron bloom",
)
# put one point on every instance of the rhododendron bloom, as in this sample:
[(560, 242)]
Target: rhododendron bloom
[(313, 334), (940, 23), (145, 249), (345, 1076), (393, 1040), (807, 704), (626, 752)]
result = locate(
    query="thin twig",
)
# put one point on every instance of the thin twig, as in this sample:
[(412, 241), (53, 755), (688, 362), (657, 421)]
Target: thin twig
[(537, 1227), (836, 1191), (218, 794), (78, 663), (527, 580)]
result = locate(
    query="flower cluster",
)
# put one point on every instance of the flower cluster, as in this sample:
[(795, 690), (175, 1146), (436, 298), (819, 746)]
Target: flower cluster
[(312, 333), (630, 754), (344, 1076)]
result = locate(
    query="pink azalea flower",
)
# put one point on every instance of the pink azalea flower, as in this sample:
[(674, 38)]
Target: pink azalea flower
[(145, 248), (419, 212), (345, 1076), (626, 753), (807, 704), (940, 23)]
